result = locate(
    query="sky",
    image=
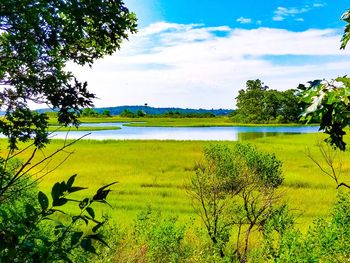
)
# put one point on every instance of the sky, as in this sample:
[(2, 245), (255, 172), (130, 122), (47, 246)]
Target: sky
[(199, 54)]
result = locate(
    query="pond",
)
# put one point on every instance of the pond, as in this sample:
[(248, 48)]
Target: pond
[(185, 133)]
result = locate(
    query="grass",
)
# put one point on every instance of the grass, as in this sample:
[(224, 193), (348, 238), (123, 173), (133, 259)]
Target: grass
[(82, 128), (223, 121), (155, 173)]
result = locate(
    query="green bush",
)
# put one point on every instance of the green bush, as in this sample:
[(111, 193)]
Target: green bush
[(30, 229), (328, 240), (162, 236), (233, 191)]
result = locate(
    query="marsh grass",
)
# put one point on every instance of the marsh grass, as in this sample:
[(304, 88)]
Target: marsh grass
[(52, 128), (220, 121), (156, 173)]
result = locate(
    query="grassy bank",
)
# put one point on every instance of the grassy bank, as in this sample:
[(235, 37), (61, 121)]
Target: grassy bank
[(172, 122), (154, 173), (82, 128)]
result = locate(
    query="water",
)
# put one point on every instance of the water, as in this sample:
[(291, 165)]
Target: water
[(184, 133)]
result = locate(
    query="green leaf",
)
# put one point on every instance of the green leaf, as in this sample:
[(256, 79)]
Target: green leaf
[(95, 228), (104, 187), (56, 191), (75, 189), (31, 212), (87, 246), (43, 201), (98, 238), (59, 202), (71, 181), (91, 212), (84, 203), (75, 218), (75, 238)]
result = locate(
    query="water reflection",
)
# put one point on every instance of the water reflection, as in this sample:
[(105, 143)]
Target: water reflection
[(242, 136)]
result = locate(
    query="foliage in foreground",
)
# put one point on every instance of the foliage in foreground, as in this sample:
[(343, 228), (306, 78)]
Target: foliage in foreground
[(328, 101), (37, 40), (328, 240), (37, 230)]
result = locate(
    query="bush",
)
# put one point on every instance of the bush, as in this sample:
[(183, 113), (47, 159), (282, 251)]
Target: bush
[(328, 240), (233, 191), (162, 237), (30, 230)]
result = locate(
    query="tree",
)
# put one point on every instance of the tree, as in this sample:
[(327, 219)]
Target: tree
[(37, 39), (140, 113), (346, 36), (328, 101), (88, 112), (272, 103), (250, 101), (106, 113), (127, 114), (291, 107), (259, 104), (234, 189)]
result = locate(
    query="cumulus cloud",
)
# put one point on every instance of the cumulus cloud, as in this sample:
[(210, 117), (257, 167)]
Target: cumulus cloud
[(196, 66)]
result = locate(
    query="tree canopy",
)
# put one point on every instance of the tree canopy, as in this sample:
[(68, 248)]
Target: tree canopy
[(37, 39), (259, 104), (328, 101)]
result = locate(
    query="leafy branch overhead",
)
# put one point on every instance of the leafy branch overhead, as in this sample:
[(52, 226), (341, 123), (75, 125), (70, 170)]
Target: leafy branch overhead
[(346, 36), (37, 39), (328, 101), (329, 104)]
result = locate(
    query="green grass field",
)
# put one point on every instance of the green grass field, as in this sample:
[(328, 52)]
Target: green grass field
[(81, 128), (155, 173), (223, 121)]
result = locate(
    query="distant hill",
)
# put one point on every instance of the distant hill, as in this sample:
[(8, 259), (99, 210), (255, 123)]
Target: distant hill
[(155, 111)]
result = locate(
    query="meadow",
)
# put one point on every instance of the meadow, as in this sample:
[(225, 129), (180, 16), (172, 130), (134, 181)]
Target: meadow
[(156, 174), (220, 121), (54, 128)]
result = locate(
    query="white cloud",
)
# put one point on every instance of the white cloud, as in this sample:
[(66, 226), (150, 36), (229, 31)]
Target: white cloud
[(244, 20), (196, 66), (319, 5), (282, 13)]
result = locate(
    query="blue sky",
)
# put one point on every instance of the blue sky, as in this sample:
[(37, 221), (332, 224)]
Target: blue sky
[(286, 14), (200, 53)]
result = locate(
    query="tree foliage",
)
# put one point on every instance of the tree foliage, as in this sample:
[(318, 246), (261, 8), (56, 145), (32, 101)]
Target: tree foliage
[(328, 101), (259, 104), (346, 36), (37, 39), (30, 232), (234, 189)]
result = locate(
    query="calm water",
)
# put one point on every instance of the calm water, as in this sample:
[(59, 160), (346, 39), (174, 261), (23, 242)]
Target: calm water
[(185, 133)]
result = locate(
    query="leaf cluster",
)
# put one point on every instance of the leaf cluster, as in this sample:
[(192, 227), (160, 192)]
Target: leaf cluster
[(234, 189), (328, 103), (37, 40), (36, 235)]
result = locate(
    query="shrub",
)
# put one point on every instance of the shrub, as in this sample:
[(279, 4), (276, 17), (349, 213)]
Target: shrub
[(162, 237)]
